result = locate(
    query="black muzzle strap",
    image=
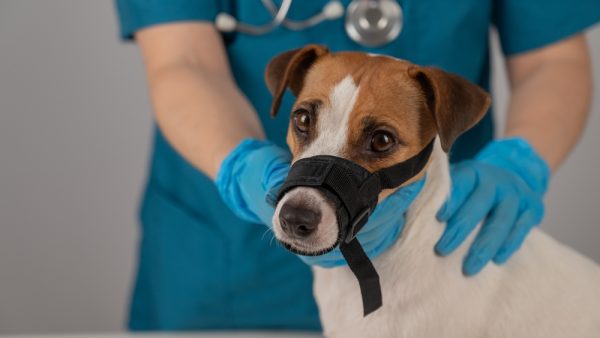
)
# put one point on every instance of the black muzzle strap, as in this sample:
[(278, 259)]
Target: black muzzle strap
[(394, 176), (354, 191), (364, 271)]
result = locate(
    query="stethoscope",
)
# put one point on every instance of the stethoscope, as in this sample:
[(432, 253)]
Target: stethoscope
[(371, 23)]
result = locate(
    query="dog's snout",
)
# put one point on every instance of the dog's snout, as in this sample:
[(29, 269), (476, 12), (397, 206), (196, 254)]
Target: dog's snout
[(299, 221)]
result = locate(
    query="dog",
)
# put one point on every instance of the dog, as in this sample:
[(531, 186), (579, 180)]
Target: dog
[(377, 111)]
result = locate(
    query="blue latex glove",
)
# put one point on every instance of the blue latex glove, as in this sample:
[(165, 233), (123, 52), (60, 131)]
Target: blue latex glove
[(382, 229), (504, 186), (248, 174)]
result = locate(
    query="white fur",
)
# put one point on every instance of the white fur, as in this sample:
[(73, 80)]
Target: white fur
[(331, 138), (332, 125), (545, 290)]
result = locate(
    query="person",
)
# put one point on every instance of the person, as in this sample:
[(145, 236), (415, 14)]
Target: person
[(206, 258)]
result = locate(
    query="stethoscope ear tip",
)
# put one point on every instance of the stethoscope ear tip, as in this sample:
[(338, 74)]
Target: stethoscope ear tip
[(333, 10), (225, 22)]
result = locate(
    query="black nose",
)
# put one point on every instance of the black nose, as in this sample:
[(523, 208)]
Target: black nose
[(300, 221)]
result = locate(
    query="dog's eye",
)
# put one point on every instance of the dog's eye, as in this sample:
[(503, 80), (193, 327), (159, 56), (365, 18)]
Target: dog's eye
[(302, 120), (382, 141)]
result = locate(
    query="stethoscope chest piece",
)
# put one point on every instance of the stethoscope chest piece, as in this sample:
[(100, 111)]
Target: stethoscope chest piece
[(374, 23)]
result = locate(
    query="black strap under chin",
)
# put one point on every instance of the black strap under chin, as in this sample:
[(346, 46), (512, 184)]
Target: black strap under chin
[(368, 278)]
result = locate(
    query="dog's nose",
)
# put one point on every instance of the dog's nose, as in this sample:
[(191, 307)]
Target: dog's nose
[(298, 220)]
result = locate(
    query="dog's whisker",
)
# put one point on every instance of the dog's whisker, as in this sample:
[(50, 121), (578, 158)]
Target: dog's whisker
[(274, 239), (267, 231)]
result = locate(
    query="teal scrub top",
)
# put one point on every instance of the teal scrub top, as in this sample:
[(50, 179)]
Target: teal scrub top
[(200, 267)]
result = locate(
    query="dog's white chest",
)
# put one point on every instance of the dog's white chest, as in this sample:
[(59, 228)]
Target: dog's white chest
[(546, 291), (403, 310)]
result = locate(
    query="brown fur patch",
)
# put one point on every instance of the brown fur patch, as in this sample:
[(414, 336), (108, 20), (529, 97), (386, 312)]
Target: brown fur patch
[(412, 103), (387, 98)]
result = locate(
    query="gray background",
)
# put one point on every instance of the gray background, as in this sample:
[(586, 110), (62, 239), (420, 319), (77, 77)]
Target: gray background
[(74, 132)]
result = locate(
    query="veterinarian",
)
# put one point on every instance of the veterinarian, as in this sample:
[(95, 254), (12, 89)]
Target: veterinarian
[(206, 258)]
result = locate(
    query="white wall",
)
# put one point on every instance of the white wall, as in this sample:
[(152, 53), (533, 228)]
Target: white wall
[(74, 130)]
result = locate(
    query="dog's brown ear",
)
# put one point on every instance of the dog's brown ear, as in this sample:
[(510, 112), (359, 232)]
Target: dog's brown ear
[(456, 104), (288, 70)]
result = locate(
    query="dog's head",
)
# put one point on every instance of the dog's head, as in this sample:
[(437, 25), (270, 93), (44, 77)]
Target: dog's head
[(373, 110)]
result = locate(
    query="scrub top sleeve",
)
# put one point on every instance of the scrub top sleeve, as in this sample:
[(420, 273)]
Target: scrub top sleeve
[(134, 15), (528, 24)]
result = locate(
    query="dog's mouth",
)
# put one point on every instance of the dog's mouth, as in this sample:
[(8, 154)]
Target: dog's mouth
[(305, 247)]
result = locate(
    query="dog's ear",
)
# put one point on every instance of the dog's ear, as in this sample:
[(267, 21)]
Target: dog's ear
[(456, 104), (288, 70)]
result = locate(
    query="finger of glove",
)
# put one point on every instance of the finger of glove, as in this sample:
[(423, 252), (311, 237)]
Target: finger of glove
[(391, 210), (464, 180), (275, 174), (466, 218), (379, 224), (273, 193), (493, 233), (399, 200), (382, 233), (386, 223), (527, 220), (408, 193), (384, 211)]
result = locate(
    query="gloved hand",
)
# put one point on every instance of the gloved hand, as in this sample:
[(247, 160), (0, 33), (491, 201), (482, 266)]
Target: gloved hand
[(503, 186), (382, 229), (252, 170)]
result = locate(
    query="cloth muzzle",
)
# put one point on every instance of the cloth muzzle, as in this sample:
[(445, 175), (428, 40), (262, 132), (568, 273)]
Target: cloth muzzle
[(354, 192)]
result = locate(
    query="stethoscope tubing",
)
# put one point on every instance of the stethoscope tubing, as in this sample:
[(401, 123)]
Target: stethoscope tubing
[(370, 23), (314, 20), (279, 16)]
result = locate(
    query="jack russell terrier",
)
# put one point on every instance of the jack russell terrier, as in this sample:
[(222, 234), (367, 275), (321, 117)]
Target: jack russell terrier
[(546, 290)]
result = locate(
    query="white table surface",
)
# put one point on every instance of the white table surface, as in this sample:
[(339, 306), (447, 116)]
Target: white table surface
[(172, 335)]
